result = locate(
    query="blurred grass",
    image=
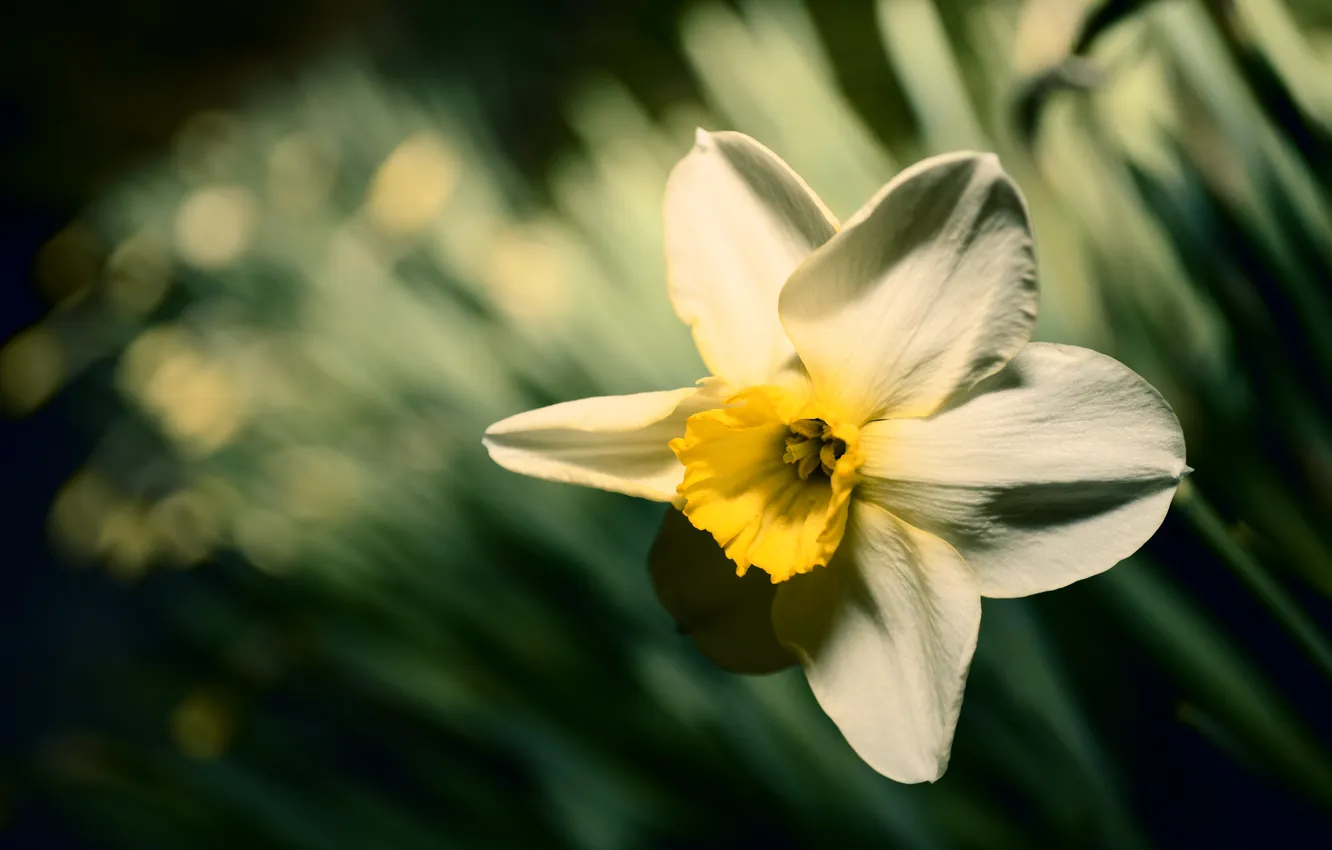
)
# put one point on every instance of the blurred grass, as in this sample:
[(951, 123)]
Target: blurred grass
[(317, 302)]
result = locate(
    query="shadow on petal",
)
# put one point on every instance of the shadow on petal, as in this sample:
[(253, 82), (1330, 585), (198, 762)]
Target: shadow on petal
[(886, 633), (728, 616)]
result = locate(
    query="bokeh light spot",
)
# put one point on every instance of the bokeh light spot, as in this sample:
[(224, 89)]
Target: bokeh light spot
[(126, 540), (145, 355), (198, 401), (215, 225), (265, 538), (200, 405), (138, 274), (32, 367), (202, 725), (68, 264), (78, 510), (188, 524), (527, 274), (412, 185)]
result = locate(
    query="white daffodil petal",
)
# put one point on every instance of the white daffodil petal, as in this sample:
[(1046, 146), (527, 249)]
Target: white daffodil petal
[(738, 220), (886, 633), (618, 443), (927, 290), (1054, 470)]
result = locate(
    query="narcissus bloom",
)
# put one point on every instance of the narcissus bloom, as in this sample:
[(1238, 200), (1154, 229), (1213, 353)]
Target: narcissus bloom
[(878, 437)]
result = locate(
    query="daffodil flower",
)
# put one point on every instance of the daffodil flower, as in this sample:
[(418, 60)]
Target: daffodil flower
[(878, 436)]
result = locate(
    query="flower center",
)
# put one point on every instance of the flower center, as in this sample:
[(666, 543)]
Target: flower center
[(813, 447), (770, 476)]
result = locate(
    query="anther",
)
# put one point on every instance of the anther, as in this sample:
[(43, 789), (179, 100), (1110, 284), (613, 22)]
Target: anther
[(807, 466), (809, 428), (811, 446), (827, 458), (799, 448)]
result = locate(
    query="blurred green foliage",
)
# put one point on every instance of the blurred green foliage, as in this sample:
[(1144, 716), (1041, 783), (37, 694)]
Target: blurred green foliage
[(316, 304)]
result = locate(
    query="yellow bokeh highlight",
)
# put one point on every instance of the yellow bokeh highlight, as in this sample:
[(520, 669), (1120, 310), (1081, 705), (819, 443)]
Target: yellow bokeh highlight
[(187, 524), (138, 274), (69, 263), (1046, 32), (527, 273), (412, 185), (92, 519), (32, 367), (266, 539), (202, 725), (202, 406), (215, 225), (197, 400), (78, 511), (145, 355), (126, 540)]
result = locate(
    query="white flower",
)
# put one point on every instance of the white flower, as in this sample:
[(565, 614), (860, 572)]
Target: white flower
[(878, 436)]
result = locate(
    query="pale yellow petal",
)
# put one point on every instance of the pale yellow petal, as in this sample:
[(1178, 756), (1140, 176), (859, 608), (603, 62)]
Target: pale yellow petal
[(738, 220), (618, 443), (1053, 470), (927, 290), (886, 634)]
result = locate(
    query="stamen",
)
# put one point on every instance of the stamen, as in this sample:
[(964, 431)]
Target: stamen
[(809, 428), (783, 519), (827, 456), (798, 448), (811, 446), (807, 466)]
